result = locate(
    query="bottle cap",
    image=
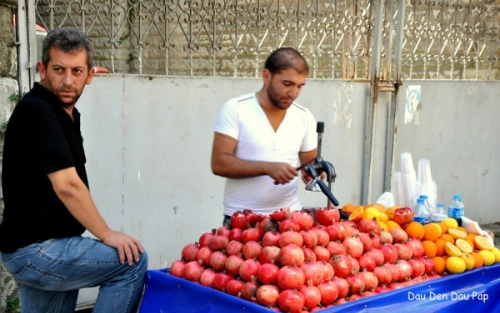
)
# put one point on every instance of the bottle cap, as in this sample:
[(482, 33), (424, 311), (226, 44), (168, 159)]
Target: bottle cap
[(440, 204), (457, 197), (423, 197), (420, 200)]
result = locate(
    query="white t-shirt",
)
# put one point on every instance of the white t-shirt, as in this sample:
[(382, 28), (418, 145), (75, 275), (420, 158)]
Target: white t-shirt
[(243, 119)]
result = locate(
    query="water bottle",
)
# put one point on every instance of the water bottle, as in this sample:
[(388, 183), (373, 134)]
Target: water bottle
[(456, 209), (440, 213), (422, 213), (428, 203)]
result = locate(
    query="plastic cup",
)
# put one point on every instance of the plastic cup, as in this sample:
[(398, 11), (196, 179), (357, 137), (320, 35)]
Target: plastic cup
[(406, 163), (424, 172)]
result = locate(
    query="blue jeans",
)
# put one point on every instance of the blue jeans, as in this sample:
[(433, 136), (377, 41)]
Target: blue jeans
[(49, 275)]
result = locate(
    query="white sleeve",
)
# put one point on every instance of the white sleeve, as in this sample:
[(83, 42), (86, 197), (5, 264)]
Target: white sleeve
[(311, 137), (227, 122)]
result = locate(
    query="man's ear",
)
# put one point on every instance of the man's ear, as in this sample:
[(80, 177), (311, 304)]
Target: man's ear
[(90, 76), (41, 70), (266, 75)]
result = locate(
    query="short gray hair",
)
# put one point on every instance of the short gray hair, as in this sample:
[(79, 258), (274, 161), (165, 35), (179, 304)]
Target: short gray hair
[(66, 39)]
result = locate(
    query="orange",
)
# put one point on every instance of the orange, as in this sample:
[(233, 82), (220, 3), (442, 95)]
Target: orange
[(496, 253), (383, 225), (415, 230), (452, 250), (440, 247), (430, 248), (483, 243), (463, 245), (357, 214), (447, 238), (450, 222), (488, 257), (390, 211), (444, 228), (462, 229), (440, 264), (432, 231), (455, 233), (470, 262), (471, 236), (379, 207), (392, 224), (455, 264), (477, 258), (383, 217), (348, 208)]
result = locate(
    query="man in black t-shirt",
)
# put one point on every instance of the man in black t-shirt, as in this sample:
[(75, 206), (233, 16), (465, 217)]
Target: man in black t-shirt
[(48, 205)]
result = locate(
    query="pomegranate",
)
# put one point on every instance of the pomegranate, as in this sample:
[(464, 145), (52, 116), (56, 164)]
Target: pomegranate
[(313, 273), (249, 291), (223, 231), (204, 255), (270, 238), (377, 255), (267, 295), (269, 254), (267, 273), (249, 269), (310, 238), (366, 262), (291, 301), (289, 224), (405, 269), (327, 216), (250, 234), (355, 265), (193, 270), (336, 231), (366, 241), (390, 253), (309, 254), (328, 291), (418, 267), (404, 252), (398, 235), (375, 241), (267, 224), (382, 289), (207, 277), (429, 265), (233, 264), (291, 255), (342, 286), (205, 238), (341, 265), (218, 260), (251, 249), (290, 277), (177, 268), (234, 287), (252, 218), (234, 247), (369, 226), (323, 237), (336, 248), (221, 280), (403, 215), (189, 252), (386, 237), (322, 253), (356, 283), (312, 296), (416, 246), (353, 246), (235, 234), (218, 242), (371, 280), (394, 269), (327, 268), (290, 236), (239, 220), (281, 214), (304, 219), (383, 274)]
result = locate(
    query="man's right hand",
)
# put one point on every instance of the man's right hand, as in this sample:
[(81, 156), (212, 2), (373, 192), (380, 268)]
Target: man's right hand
[(282, 173), (129, 248)]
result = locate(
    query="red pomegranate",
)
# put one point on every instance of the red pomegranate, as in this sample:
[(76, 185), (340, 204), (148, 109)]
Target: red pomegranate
[(267, 295), (290, 277), (291, 301)]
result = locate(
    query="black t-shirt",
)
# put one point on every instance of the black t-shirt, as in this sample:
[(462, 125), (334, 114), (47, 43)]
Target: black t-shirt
[(41, 138)]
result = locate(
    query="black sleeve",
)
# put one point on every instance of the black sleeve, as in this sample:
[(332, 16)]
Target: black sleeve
[(54, 151)]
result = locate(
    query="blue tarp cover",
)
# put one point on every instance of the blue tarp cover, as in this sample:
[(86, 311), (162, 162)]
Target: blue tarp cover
[(477, 290)]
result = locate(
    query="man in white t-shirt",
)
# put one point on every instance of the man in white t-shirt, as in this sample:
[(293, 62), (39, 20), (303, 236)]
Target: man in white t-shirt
[(261, 138)]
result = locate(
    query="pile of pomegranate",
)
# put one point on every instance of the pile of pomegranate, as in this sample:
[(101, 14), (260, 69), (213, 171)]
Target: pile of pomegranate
[(303, 262)]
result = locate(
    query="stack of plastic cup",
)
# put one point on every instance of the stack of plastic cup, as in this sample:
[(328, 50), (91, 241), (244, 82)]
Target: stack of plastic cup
[(408, 180), (397, 189), (425, 183)]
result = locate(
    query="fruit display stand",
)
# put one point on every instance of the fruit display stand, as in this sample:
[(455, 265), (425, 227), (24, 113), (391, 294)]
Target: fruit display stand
[(477, 290)]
